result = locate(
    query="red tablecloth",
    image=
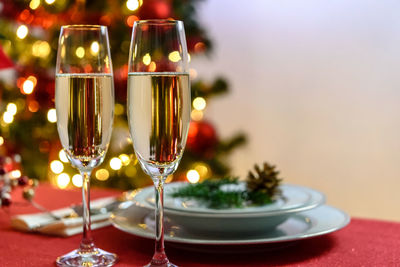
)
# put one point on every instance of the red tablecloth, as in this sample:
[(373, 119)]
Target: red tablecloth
[(362, 243)]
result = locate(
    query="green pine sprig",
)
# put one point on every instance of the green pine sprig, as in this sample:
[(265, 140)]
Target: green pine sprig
[(210, 193)]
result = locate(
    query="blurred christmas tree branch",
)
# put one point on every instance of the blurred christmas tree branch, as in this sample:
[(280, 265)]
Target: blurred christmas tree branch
[(29, 31)]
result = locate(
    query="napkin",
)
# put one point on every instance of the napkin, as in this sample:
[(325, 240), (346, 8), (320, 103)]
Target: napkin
[(46, 224)]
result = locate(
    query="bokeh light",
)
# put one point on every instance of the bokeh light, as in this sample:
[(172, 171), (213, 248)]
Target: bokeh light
[(147, 59), (33, 106), (131, 20), (15, 174), (130, 171), (63, 180), (34, 4), (32, 79), (199, 47), (12, 108), (63, 156), (196, 115), (202, 169), (174, 56), (77, 180), (8, 117), (199, 103), (41, 49), (94, 48), (152, 66), (102, 174), (56, 166), (132, 5), (125, 159), (169, 178), (52, 115), (193, 176), (80, 52), (28, 86), (115, 163), (22, 31)]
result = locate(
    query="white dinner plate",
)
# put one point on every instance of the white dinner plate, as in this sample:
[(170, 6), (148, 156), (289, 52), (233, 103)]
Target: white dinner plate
[(294, 198), (322, 220), (238, 221)]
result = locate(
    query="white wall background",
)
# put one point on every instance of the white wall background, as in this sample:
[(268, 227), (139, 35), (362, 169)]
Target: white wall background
[(316, 86)]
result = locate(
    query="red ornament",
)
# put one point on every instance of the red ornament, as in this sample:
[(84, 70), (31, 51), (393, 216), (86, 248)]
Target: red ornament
[(7, 68), (158, 9), (202, 139), (5, 61)]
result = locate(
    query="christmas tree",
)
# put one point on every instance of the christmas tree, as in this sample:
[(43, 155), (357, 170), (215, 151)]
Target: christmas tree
[(29, 31)]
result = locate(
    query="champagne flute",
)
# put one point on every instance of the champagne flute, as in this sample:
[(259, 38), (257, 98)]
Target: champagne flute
[(158, 107), (85, 110)]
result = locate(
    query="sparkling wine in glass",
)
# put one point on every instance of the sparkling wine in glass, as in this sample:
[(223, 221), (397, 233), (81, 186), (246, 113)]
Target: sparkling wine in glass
[(85, 108), (158, 107)]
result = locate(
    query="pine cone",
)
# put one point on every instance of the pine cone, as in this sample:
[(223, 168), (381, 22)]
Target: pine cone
[(265, 180)]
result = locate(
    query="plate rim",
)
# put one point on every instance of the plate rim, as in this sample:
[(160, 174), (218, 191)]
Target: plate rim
[(317, 199), (255, 209), (345, 220)]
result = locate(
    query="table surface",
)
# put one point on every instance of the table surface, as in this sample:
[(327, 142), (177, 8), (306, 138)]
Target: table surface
[(362, 243)]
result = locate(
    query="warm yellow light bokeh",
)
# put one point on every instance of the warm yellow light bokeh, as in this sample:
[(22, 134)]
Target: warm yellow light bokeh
[(125, 159), (8, 117), (63, 156), (63, 180), (199, 103), (94, 48), (196, 115), (174, 56), (132, 5), (22, 31), (147, 59), (12, 108), (52, 115), (80, 52), (34, 4), (115, 163), (102, 174), (41, 49), (193, 176), (130, 171), (202, 169), (56, 166), (77, 180), (28, 86)]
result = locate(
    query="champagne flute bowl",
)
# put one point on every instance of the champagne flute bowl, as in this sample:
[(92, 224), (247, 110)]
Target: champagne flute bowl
[(85, 107), (158, 107)]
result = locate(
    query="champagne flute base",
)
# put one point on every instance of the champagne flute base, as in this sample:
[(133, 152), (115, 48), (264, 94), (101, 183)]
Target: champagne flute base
[(95, 258)]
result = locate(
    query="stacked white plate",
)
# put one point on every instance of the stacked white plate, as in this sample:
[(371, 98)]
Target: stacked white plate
[(300, 213)]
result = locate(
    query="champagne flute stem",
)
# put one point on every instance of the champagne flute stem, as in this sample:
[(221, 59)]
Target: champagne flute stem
[(159, 257), (87, 240)]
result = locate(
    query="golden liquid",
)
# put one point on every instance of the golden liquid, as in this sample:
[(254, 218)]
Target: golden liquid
[(159, 115), (85, 105)]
